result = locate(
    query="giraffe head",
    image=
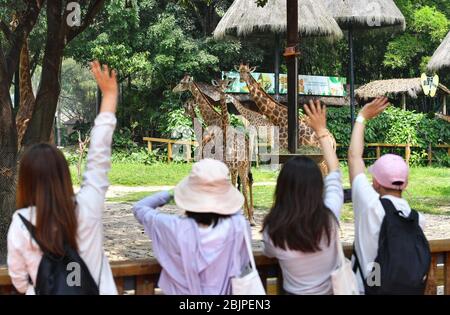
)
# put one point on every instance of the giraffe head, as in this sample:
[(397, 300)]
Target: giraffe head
[(184, 84), (222, 85), (245, 71)]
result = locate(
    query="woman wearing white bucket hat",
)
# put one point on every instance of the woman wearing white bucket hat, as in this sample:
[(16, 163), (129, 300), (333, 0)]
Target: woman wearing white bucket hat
[(203, 249)]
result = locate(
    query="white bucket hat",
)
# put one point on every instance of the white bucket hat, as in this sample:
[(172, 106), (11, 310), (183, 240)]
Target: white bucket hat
[(208, 189)]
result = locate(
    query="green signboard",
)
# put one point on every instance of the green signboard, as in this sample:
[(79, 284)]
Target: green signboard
[(307, 84)]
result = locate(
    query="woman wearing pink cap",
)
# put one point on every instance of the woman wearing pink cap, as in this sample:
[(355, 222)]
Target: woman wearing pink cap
[(375, 205), (202, 249)]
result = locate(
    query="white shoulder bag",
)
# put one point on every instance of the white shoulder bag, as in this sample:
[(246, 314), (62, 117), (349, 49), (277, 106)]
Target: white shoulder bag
[(343, 278), (249, 283)]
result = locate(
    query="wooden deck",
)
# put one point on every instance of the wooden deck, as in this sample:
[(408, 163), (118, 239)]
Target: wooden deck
[(141, 277)]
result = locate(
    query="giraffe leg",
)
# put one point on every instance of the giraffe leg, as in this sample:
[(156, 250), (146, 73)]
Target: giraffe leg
[(234, 176), (248, 211)]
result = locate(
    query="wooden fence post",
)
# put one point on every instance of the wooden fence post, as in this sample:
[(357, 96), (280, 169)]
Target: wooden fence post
[(149, 146), (169, 152), (431, 288), (188, 149), (378, 152), (430, 155), (407, 152)]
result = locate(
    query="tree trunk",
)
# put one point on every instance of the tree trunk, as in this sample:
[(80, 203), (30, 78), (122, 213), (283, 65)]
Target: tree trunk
[(41, 123), (8, 160)]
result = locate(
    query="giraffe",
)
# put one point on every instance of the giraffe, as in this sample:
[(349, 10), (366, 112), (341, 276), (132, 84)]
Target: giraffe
[(277, 114), (27, 98), (212, 118), (233, 149), (254, 119)]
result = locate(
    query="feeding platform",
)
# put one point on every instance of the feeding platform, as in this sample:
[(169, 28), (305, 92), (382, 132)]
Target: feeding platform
[(283, 156)]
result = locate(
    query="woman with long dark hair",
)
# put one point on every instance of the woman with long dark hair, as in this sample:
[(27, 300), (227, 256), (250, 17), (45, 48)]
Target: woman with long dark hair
[(61, 219), (301, 228)]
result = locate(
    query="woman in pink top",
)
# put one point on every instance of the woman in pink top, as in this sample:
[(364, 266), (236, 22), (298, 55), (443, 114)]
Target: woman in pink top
[(45, 198)]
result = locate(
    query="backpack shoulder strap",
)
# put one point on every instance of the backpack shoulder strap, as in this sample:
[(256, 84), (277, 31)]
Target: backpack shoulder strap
[(390, 209), (388, 206), (31, 228)]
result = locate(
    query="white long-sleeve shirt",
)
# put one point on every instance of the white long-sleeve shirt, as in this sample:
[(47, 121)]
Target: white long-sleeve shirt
[(310, 273), (24, 255)]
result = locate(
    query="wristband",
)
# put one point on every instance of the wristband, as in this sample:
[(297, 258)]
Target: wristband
[(322, 136), (361, 119)]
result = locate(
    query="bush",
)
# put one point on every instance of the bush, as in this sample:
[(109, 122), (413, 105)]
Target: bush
[(139, 156), (395, 126)]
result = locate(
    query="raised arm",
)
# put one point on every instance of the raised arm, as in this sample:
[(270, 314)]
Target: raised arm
[(317, 120), (371, 110), (95, 178), (145, 211)]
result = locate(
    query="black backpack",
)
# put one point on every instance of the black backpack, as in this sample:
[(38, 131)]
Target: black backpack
[(403, 255), (55, 274)]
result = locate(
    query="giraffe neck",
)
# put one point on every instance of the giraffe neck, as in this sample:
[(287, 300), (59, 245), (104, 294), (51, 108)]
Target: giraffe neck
[(225, 119), (209, 115), (266, 104), (254, 118)]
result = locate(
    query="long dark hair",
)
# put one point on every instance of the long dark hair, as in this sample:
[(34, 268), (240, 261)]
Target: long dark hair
[(208, 218), (299, 219), (44, 182)]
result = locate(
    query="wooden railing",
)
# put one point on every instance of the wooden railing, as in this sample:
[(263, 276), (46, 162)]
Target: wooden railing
[(170, 144), (141, 276), (377, 146)]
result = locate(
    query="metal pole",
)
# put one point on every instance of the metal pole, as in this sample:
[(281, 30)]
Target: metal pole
[(277, 67), (292, 67), (352, 76)]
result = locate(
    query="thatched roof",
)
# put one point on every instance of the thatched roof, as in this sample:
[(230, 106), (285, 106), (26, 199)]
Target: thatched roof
[(366, 13), (441, 57), (245, 17), (394, 87)]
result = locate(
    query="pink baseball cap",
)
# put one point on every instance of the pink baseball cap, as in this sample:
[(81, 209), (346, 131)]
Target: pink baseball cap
[(390, 171)]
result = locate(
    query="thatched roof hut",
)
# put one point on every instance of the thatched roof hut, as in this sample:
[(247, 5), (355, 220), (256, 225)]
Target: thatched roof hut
[(441, 57), (245, 17), (394, 87), (360, 14)]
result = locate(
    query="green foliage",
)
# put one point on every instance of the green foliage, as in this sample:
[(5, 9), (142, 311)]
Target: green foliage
[(123, 140), (139, 156), (428, 20), (394, 126), (178, 126), (427, 26)]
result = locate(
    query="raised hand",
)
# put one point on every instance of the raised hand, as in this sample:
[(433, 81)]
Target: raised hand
[(317, 120), (107, 82), (374, 108), (317, 116)]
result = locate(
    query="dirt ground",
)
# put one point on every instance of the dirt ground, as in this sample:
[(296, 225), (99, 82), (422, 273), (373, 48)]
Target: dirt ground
[(125, 238)]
